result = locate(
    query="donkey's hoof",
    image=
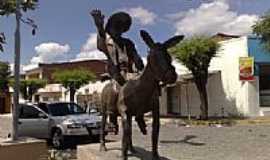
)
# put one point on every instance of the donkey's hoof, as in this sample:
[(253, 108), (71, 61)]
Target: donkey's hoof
[(132, 150), (102, 149), (155, 157), (123, 157)]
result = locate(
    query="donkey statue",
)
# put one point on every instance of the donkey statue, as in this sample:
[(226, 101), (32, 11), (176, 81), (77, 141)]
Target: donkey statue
[(140, 95)]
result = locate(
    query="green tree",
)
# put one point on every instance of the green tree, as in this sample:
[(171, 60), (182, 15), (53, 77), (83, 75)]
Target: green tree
[(196, 53), (28, 87), (73, 79), (262, 29), (8, 7), (4, 76)]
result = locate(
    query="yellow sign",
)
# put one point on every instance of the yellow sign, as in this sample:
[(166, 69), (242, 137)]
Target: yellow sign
[(246, 68)]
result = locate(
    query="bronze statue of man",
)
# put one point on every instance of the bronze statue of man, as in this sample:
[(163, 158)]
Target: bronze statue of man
[(120, 51)]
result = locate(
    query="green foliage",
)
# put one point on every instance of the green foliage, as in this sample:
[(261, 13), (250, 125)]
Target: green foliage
[(8, 7), (195, 53), (29, 87), (4, 76), (262, 29), (73, 78)]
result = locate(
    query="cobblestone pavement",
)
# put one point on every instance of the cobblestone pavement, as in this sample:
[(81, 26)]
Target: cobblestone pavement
[(209, 143)]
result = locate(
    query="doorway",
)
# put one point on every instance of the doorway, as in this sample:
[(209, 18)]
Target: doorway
[(264, 80)]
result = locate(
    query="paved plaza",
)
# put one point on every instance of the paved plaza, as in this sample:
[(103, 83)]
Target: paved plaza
[(249, 142)]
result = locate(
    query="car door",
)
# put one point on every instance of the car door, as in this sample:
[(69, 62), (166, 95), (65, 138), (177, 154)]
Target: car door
[(33, 122)]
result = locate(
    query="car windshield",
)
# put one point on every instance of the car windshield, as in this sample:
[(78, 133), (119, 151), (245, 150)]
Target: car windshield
[(63, 109)]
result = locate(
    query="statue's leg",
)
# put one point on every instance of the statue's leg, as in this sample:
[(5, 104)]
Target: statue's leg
[(155, 131), (141, 124), (102, 133), (130, 144), (125, 136), (115, 73)]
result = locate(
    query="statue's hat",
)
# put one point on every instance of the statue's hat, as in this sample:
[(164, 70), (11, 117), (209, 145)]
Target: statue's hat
[(120, 22)]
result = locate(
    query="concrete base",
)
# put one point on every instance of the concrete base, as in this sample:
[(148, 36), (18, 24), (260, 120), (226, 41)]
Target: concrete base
[(91, 152), (23, 149)]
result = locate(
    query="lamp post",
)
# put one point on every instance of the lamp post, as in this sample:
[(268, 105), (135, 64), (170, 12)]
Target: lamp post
[(15, 106)]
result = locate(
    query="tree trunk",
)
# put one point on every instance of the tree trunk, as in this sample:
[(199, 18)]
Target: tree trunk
[(14, 134), (201, 86), (204, 103), (72, 94)]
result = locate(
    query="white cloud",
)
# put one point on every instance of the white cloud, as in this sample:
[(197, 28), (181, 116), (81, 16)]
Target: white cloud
[(211, 18), (50, 52), (89, 49), (142, 15)]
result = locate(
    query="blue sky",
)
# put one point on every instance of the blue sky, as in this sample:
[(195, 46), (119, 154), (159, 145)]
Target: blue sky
[(66, 31)]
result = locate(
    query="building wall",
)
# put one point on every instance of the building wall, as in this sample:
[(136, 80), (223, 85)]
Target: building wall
[(55, 92), (96, 66), (227, 95)]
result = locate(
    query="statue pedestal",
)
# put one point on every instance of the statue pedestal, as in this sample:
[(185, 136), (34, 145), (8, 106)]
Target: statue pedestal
[(91, 152)]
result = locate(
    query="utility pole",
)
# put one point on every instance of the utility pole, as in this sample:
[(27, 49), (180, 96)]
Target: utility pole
[(17, 48)]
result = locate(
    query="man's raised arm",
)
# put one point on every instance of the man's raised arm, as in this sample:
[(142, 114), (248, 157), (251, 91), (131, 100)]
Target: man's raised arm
[(101, 36)]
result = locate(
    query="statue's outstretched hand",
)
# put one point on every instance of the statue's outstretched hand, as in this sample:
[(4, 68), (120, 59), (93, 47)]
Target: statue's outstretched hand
[(98, 17)]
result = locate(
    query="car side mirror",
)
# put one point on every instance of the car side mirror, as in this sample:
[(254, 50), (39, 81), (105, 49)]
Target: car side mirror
[(42, 115)]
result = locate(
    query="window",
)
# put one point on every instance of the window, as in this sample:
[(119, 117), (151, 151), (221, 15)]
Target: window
[(45, 99), (28, 112), (86, 91), (43, 107), (63, 109)]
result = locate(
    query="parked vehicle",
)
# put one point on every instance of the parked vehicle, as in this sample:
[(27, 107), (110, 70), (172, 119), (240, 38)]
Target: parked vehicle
[(92, 110), (57, 122)]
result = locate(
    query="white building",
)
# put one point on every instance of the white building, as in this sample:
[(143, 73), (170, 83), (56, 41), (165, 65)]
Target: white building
[(227, 94)]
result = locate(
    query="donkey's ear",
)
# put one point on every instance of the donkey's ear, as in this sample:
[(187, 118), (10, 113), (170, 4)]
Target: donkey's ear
[(173, 41), (147, 39)]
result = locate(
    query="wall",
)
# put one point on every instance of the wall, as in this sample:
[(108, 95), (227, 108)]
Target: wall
[(243, 94), (225, 90), (27, 149)]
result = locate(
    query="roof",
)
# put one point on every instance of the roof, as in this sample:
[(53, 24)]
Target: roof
[(224, 36), (70, 62)]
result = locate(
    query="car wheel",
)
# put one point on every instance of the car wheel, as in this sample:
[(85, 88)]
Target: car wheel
[(57, 139)]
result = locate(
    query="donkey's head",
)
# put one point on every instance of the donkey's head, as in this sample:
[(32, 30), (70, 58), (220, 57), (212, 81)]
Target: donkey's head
[(159, 60)]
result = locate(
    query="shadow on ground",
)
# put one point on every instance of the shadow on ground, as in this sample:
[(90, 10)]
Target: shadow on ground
[(141, 153), (186, 140)]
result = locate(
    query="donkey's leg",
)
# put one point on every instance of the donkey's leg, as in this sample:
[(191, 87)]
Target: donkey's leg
[(113, 120), (130, 144), (102, 133), (141, 124), (155, 131), (125, 136)]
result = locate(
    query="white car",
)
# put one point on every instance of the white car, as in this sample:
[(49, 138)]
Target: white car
[(57, 121)]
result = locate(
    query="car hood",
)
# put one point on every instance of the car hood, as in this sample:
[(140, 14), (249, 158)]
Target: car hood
[(80, 118)]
